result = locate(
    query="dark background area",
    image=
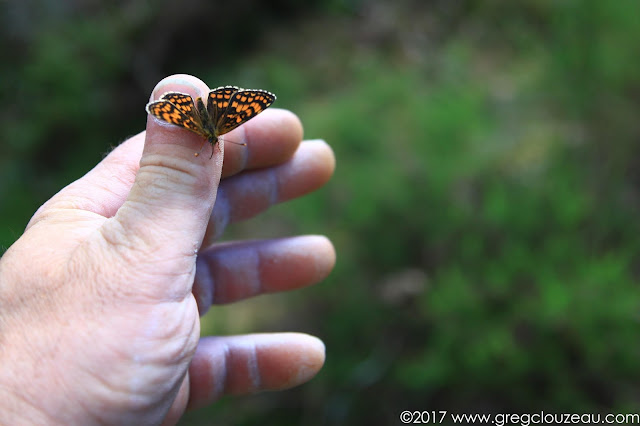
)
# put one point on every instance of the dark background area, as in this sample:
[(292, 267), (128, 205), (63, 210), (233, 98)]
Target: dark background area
[(485, 205)]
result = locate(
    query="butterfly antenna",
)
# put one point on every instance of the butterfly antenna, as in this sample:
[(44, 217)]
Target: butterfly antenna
[(235, 143), (201, 147)]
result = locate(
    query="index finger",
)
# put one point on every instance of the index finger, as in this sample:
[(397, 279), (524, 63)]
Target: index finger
[(271, 138)]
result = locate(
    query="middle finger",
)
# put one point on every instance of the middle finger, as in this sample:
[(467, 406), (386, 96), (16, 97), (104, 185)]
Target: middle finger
[(249, 193)]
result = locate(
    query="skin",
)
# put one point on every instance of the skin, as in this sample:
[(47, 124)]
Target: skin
[(101, 297)]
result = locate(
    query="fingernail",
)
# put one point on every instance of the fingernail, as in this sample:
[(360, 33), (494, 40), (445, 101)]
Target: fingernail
[(171, 83)]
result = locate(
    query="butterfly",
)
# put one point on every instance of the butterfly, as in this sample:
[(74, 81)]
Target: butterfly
[(227, 108)]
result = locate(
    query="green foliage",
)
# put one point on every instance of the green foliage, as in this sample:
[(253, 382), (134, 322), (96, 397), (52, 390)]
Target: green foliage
[(518, 217)]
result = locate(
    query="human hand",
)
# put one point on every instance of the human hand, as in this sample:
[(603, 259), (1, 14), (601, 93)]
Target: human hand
[(100, 297)]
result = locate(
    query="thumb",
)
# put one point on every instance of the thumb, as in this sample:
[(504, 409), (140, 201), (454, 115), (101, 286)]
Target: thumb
[(169, 205)]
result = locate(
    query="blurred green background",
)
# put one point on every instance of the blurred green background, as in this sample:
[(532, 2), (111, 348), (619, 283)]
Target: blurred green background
[(485, 205)]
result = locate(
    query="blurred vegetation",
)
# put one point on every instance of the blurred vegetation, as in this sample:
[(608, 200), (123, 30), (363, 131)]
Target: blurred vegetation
[(484, 209)]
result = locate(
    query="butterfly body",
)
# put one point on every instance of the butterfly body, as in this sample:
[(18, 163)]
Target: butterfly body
[(227, 108), (208, 126)]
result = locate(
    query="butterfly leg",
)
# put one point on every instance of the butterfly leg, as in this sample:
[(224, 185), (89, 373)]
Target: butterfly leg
[(214, 144)]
